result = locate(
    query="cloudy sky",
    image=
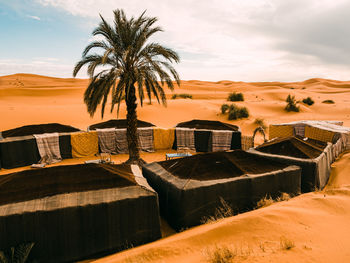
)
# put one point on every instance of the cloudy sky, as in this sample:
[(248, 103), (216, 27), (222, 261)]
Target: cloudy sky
[(250, 40)]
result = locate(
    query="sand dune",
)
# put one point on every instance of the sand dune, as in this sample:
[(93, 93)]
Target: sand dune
[(317, 223)]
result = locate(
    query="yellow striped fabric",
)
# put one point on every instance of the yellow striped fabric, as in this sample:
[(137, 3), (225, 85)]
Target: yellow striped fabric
[(318, 134), (163, 138), (280, 131), (247, 142), (84, 144)]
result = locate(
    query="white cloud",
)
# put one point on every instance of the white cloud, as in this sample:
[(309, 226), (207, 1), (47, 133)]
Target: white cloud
[(34, 17), (241, 40)]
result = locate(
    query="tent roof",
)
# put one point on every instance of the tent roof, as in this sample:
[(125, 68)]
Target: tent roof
[(119, 124), (208, 125), (39, 183), (219, 165), (293, 147), (38, 129)]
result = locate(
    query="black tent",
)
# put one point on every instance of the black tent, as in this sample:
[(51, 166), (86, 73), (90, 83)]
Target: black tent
[(202, 133), (75, 212), (38, 129), (313, 157), (190, 188), (118, 124)]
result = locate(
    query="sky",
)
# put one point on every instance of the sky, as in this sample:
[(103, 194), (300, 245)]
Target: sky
[(250, 40)]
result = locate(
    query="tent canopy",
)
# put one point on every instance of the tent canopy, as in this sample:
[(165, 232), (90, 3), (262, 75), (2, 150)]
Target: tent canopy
[(219, 165), (293, 147), (208, 125), (39, 183), (118, 124), (38, 129)]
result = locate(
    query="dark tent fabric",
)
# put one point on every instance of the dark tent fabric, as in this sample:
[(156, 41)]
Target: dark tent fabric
[(202, 140), (202, 127), (118, 124), (18, 151), (79, 211), (65, 145), (313, 160), (190, 188), (207, 125), (38, 129), (291, 146)]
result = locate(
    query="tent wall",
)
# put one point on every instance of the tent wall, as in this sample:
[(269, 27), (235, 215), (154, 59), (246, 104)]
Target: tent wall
[(185, 203), (315, 172), (18, 151), (65, 145), (123, 218)]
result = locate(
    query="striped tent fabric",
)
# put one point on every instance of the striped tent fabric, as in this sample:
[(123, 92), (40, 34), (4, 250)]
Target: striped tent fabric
[(185, 139), (319, 134), (145, 137), (221, 140), (299, 129), (107, 140), (163, 138), (247, 142), (49, 148), (121, 141), (276, 131), (84, 144)]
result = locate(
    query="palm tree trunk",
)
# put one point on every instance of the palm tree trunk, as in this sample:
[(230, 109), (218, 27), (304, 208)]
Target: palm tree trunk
[(131, 131)]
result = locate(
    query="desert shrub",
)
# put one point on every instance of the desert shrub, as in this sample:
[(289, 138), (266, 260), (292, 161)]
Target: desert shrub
[(235, 112), (224, 108), (328, 101), (221, 254), (308, 101), (267, 200), (234, 96), (291, 104), (260, 122), (182, 95), (222, 211), (286, 244)]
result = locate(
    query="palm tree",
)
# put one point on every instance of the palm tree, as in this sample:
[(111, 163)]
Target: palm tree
[(129, 63)]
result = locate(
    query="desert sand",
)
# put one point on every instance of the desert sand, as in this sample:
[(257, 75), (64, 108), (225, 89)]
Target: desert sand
[(317, 223)]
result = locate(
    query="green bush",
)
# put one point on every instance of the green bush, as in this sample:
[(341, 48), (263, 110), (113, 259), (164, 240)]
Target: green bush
[(183, 96), (224, 108), (235, 112), (328, 101), (234, 96), (308, 101), (291, 104)]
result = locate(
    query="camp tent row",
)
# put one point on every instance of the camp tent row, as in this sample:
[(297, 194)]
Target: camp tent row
[(48, 143)]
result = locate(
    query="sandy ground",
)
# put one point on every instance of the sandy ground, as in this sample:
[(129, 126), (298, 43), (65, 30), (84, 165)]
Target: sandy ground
[(317, 223)]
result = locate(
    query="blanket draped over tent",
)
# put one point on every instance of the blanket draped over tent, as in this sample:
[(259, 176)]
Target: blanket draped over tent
[(49, 147), (163, 138), (107, 140), (84, 144), (280, 131), (221, 140), (185, 139), (145, 137), (121, 141)]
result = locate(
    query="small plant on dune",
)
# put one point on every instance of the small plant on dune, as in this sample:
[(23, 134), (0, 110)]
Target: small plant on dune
[(182, 96), (224, 108), (328, 101), (221, 254), (309, 101), (18, 254), (260, 122), (234, 96), (235, 112), (286, 244), (224, 210), (268, 200), (291, 104)]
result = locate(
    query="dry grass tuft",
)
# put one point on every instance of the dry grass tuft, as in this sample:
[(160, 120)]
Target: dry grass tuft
[(260, 122), (223, 211), (221, 254), (267, 200), (286, 244)]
